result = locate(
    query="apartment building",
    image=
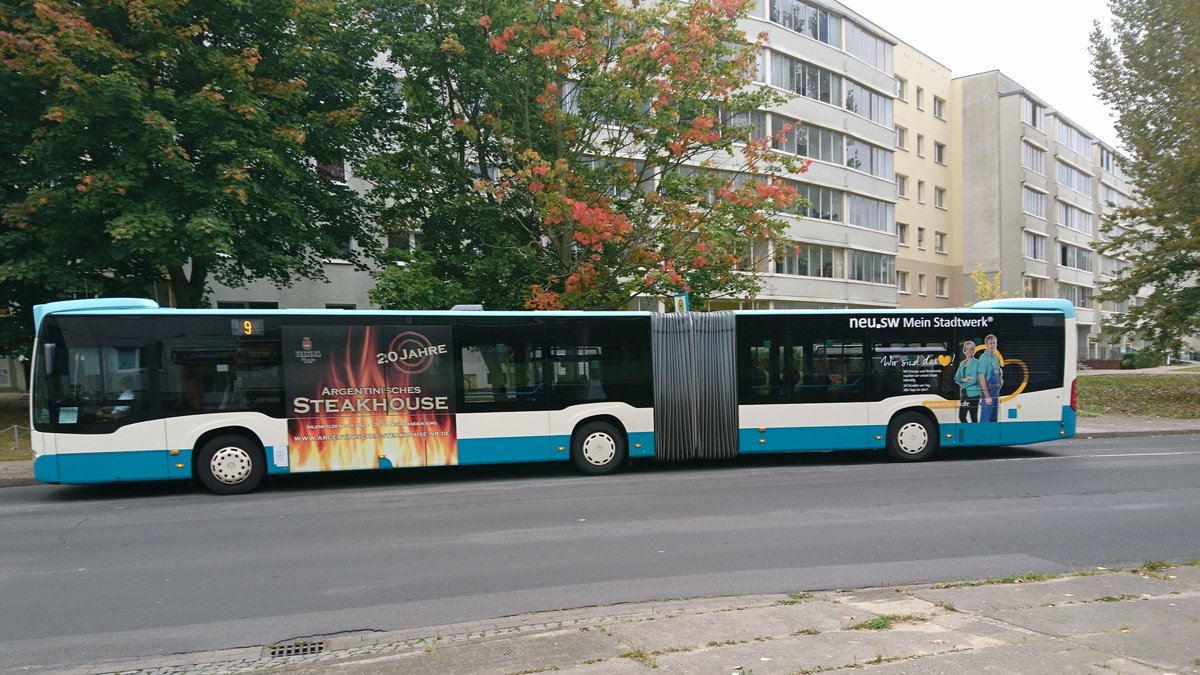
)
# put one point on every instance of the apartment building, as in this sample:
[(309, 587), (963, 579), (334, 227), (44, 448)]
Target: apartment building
[(1035, 186), (929, 268), (841, 250)]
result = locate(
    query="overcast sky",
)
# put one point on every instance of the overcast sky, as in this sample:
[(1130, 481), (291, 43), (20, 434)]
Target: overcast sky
[(1042, 44)]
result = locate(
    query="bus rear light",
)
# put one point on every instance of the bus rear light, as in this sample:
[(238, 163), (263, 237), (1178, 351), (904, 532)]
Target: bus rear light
[(1075, 395)]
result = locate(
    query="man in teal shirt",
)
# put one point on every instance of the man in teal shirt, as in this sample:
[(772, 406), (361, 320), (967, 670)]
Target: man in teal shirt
[(991, 380)]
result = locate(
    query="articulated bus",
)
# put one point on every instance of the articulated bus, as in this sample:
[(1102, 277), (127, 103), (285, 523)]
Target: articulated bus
[(124, 390)]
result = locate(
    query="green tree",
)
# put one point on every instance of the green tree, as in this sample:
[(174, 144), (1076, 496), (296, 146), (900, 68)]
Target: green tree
[(987, 287), (1148, 71), (175, 140), (558, 154)]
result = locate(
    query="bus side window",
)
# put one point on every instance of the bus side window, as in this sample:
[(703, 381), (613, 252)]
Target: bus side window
[(502, 366), (598, 359)]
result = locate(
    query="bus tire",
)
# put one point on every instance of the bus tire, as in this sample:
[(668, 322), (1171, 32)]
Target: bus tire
[(911, 437), (597, 448), (230, 465)]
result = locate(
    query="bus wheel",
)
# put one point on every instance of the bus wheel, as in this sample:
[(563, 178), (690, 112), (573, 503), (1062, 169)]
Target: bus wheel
[(230, 465), (597, 448), (911, 438)]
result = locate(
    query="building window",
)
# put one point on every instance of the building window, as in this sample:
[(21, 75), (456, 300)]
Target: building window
[(1120, 307), (876, 268), (868, 103), (1033, 114), (920, 145), (1112, 196), (1111, 267), (941, 287), (340, 305), (1033, 158), (1033, 202), (939, 197), (1074, 218), (812, 260), (921, 191), (939, 108), (920, 284), (868, 47), (1107, 160), (901, 88), (1070, 177), (1073, 138), (901, 185), (870, 213), (823, 203), (939, 152), (901, 138), (869, 158), (1080, 296), (757, 258), (902, 282), (1035, 287), (921, 238), (405, 240), (939, 242), (902, 233), (806, 19), (807, 140), (1075, 257), (806, 79), (920, 98), (1035, 246), (756, 120), (343, 253)]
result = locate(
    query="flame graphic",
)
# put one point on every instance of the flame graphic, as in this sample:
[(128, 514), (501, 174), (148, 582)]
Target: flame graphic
[(328, 441)]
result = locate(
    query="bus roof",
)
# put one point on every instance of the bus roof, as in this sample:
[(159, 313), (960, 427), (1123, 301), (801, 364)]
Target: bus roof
[(145, 306), (1051, 304), (142, 306)]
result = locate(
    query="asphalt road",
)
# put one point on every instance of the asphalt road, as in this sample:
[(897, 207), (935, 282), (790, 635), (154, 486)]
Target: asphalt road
[(91, 574)]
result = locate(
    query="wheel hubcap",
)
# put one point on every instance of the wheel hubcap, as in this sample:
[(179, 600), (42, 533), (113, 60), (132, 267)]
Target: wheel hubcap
[(599, 449), (912, 438), (231, 465)]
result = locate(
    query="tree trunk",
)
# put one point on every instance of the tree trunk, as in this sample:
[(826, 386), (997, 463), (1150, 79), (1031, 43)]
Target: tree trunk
[(188, 292)]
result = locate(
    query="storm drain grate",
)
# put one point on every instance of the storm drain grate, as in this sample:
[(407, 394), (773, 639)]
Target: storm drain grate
[(299, 648)]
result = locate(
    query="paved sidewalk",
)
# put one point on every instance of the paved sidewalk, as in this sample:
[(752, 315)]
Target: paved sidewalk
[(1138, 622)]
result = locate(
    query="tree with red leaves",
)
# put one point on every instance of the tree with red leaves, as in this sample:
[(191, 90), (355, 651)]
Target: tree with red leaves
[(607, 147)]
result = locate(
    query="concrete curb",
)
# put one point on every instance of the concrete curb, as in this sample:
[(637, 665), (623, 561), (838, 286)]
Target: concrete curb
[(1135, 434)]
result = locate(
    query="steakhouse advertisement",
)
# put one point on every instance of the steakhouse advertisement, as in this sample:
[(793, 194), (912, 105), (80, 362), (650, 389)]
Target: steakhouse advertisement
[(365, 397)]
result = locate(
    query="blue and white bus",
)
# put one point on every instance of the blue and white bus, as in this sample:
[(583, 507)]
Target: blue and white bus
[(124, 390)]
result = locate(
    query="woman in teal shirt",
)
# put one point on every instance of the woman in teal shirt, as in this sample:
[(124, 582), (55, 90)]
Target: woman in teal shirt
[(967, 378)]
